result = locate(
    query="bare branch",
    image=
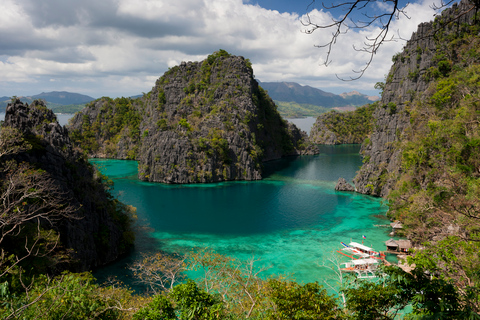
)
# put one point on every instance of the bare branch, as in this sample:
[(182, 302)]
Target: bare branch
[(159, 271), (383, 20)]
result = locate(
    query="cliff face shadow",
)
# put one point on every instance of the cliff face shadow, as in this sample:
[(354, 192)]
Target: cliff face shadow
[(273, 166)]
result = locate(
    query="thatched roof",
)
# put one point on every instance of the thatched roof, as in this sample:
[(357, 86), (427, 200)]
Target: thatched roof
[(391, 243)]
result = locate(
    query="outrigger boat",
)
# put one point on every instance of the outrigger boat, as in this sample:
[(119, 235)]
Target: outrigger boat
[(364, 268), (365, 260), (357, 249)]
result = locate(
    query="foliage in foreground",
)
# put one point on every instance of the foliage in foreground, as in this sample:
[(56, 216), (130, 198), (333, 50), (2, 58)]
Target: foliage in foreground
[(437, 195), (228, 288)]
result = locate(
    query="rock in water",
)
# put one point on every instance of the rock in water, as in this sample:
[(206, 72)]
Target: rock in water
[(343, 185), (205, 121)]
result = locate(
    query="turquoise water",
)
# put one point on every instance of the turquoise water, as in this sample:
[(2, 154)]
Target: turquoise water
[(293, 220)]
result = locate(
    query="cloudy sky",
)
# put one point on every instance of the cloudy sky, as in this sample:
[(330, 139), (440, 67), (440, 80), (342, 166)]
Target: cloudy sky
[(120, 47)]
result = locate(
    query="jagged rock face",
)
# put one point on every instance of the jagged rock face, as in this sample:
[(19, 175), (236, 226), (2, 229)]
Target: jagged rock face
[(94, 237), (205, 121), (407, 80), (320, 134), (343, 185)]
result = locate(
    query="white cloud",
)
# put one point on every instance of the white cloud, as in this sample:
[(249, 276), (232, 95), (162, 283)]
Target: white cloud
[(119, 47)]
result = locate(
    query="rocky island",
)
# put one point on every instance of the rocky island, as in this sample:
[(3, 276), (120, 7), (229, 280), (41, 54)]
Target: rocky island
[(205, 121)]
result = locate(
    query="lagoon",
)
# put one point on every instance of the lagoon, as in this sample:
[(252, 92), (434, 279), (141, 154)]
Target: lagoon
[(293, 220)]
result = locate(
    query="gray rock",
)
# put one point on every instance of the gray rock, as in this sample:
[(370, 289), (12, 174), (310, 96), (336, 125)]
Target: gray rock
[(343, 185), (96, 238), (205, 121), (405, 81), (320, 134)]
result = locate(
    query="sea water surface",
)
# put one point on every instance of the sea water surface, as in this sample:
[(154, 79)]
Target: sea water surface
[(305, 124), (293, 220)]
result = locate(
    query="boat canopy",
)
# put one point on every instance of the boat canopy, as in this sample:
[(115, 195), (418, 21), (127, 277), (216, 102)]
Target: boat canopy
[(364, 261), (360, 246)]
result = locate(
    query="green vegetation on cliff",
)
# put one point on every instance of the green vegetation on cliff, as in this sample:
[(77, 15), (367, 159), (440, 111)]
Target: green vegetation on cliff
[(344, 127), (436, 189), (116, 119), (437, 195), (56, 214), (205, 121)]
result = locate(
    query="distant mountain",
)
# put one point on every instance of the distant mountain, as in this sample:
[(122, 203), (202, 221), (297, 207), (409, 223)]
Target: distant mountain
[(63, 97), (295, 100), (357, 98), (294, 92), (58, 101)]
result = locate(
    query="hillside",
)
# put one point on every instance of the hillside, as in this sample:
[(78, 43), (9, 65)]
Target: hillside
[(63, 97), (203, 121), (57, 101), (344, 127), (295, 100), (423, 154), (54, 197)]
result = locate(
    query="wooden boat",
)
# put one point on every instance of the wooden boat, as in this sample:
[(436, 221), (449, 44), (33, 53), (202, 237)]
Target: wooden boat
[(360, 250), (363, 268)]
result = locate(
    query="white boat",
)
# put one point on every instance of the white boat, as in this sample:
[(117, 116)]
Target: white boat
[(364, 268), (360, 250)]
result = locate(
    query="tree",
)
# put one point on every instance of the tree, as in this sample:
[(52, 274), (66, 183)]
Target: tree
[(294, 301), (430, 297), (238, 282), (160, 308), (185, 302), (194, 303), (392, 10), (30, 203), (159, 271), (69, 296)]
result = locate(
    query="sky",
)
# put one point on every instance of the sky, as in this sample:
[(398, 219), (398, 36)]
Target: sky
[(121, 47)]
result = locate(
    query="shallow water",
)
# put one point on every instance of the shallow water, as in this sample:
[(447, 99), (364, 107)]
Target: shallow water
[(293, 220)]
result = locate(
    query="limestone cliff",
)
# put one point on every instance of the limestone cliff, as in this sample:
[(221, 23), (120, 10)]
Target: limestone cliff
[(203, 121), (426, 56), (96, 231)]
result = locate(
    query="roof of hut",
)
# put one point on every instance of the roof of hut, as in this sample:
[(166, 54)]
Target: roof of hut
[(391, 243)]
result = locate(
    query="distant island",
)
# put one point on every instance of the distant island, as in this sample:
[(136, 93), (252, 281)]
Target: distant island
[(57, 101), (292, 99)]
